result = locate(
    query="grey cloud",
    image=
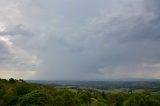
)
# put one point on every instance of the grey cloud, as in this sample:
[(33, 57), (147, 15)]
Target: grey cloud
[(116, 41), (90, 39), (14, 43), (5, 54), (16, 30)]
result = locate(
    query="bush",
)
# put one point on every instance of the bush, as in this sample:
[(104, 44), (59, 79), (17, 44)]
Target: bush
[(21, 89), (37, 98)]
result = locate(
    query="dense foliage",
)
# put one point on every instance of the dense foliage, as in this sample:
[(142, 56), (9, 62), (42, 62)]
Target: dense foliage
[(19, 93)]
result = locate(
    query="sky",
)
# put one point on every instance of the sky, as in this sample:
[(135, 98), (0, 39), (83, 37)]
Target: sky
[(79, 39)]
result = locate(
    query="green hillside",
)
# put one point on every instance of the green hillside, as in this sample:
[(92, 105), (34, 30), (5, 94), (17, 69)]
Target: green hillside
[(20, 93)]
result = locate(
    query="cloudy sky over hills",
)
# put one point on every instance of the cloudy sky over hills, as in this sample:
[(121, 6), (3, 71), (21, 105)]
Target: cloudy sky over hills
[(79, 39)]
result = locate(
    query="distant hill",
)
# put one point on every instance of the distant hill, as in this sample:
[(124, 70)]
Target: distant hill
[(132, 83)]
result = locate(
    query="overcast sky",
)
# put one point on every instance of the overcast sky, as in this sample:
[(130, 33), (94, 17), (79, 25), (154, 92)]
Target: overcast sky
[(79, 39)]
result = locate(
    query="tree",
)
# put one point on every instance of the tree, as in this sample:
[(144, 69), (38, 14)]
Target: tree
[(11, 80)]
